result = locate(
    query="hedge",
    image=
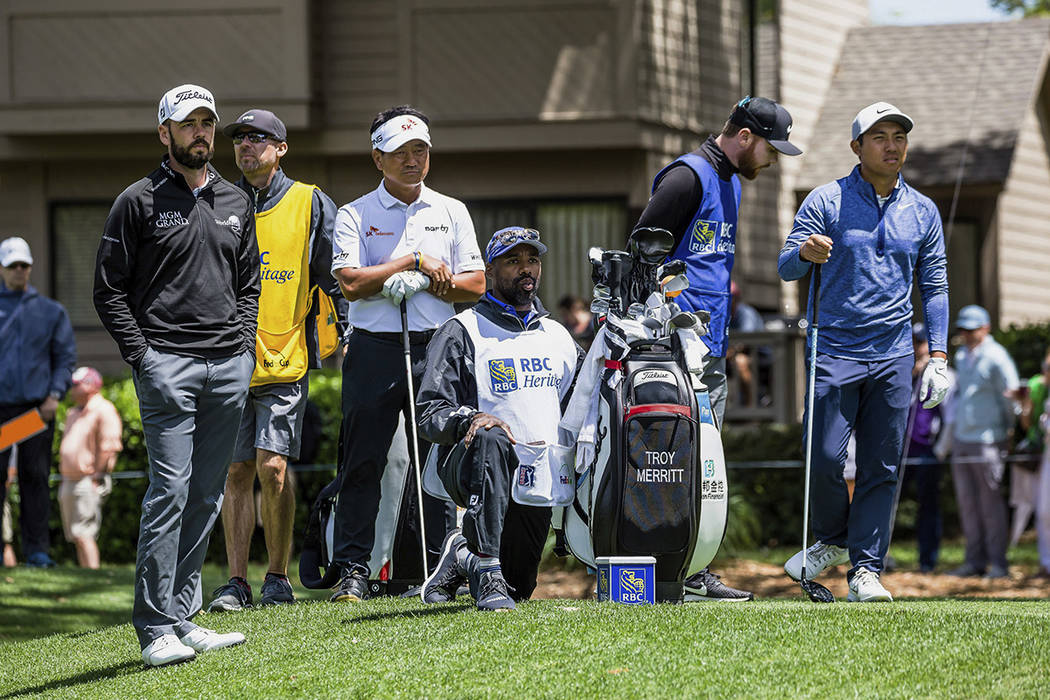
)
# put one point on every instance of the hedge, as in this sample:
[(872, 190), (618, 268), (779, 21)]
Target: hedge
[(765, 504)]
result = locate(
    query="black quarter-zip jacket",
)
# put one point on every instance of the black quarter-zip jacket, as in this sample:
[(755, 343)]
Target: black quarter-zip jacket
[(179, 272)]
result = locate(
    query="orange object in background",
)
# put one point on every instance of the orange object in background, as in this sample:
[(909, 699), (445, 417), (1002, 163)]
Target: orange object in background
[(18, 429)]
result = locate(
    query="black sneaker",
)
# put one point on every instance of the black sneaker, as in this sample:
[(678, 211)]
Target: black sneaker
[(234, 595), (488, 588), (276, 590), (353, 587), (704, 585), (441, 586)]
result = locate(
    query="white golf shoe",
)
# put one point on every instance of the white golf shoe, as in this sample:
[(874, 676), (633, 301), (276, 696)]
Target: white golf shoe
[(865, 587), (166, 649), (203, 639), (820, 558)]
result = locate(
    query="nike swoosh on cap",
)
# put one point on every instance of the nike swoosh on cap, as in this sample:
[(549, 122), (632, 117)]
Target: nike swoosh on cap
[(880, 111)]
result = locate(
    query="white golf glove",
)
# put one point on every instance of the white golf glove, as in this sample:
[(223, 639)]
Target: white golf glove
[(402, 285), (935, 382)]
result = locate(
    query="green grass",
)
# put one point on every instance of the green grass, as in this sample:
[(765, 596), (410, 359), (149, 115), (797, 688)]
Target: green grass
[(398, 648), (65, 633)]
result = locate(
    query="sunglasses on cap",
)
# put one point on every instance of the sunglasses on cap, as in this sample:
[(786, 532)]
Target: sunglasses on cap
[(517, 234), (252, 136), (19, 266)]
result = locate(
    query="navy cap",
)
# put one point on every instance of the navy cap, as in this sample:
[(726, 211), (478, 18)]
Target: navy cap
[(972, 317), (506, 238), (767, 119), (258, 120)]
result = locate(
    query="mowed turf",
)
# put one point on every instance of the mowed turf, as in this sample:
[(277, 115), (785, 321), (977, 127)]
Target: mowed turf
[(399, 648)]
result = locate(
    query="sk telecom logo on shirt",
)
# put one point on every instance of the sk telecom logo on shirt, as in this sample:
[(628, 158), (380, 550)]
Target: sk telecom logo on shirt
[(373, 231), (503, 376)]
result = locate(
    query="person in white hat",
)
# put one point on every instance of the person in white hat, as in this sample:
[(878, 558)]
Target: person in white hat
[(402, 241), (37, 358), (870, 233), (177, 286)]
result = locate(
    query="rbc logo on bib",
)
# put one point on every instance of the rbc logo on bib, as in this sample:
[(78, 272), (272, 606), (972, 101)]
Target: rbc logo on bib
[(503, 377), (703, 239)]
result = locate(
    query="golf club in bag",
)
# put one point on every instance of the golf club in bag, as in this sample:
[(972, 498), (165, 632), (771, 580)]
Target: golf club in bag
[(650, 470), (816, 592)]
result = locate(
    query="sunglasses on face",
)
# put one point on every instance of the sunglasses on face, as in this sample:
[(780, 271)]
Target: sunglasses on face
[(252, 136), (19, 266)]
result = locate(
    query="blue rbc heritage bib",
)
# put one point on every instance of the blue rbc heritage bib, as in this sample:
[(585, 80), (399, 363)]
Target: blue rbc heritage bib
[(709, 248)]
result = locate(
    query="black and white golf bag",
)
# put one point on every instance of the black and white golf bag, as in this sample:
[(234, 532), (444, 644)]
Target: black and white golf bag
[(395, 563), (650, 469)]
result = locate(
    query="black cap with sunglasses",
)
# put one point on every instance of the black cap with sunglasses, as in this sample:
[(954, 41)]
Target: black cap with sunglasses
[(767, 119), (258, 120)]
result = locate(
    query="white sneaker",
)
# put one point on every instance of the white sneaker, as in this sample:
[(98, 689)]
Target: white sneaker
[(821, 557), (202, 639), (165, 650), (865, 587)]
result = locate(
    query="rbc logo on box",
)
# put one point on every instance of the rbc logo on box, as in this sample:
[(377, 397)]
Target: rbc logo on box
[(503, 376)]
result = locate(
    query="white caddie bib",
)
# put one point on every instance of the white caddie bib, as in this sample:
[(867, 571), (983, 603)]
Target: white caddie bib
[(521, 378)]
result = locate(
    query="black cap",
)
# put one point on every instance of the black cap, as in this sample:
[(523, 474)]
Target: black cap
[(767, 119), (258, 120)]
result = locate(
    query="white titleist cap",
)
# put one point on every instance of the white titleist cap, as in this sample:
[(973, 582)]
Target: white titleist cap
[(880, 111), (178, 102), (14, 250), (393, 134)]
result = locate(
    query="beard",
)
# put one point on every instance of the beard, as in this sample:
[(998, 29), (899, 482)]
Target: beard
[(185, 158), (747, 167), (516, 295)]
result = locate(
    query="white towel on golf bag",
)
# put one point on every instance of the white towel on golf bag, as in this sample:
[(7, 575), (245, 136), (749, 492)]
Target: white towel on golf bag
[(544, 476)]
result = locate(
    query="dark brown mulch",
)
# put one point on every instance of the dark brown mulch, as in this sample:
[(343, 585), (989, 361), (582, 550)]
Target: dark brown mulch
[(770, 581)]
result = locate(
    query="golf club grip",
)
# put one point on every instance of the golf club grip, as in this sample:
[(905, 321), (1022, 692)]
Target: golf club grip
[(816, 290)]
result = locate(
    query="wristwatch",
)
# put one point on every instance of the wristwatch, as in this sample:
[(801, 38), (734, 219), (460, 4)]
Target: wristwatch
[(55, 395)]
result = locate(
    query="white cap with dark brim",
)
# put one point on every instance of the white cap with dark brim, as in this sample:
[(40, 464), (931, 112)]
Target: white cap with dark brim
[(179, 102)]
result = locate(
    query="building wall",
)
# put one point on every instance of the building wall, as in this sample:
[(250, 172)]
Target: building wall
[(812, 35), (1024, 209)]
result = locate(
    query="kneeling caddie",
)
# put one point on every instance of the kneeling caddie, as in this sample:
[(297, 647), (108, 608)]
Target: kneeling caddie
[(492, 395)]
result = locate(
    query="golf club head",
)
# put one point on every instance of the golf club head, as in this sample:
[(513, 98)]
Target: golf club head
[(650, 245), (635, 310), (816, 592), (673, 286), (684, 319), (672, 267)]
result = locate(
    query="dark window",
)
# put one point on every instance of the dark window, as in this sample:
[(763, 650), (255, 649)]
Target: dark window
[(75, 232)]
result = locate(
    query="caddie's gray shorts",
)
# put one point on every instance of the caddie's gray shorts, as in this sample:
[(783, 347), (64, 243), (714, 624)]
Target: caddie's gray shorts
[(272, 420)]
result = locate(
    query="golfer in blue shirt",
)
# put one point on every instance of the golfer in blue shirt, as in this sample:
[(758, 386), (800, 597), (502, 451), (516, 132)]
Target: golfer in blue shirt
[(873, 234)]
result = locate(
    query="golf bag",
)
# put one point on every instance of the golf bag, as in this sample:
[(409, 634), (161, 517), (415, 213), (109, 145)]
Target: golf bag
[(654, 483), (395, 562)]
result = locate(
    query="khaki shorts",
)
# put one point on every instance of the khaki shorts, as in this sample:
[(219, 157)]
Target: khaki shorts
[(81, 504)]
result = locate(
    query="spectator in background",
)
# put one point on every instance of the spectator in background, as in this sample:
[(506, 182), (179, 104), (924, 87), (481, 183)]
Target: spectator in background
[(90, 443), (923, 467), (743, 318), (576, 317), (983, 416), (37, 357), (5, 524), (1037, 418)]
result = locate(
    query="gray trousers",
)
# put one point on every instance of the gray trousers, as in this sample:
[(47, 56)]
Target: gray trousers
[(191, 409), (978, 470)]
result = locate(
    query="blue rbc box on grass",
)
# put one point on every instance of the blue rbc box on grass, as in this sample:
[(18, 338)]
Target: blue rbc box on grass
[(628, 580)]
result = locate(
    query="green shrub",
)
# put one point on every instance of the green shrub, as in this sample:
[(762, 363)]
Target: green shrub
[(1027, 345)]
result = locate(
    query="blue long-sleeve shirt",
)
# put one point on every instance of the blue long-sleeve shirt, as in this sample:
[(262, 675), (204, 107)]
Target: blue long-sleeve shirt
[(866, 284), (37, 350)]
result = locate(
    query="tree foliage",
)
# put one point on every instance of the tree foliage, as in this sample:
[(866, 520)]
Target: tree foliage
[(1028, 8)]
